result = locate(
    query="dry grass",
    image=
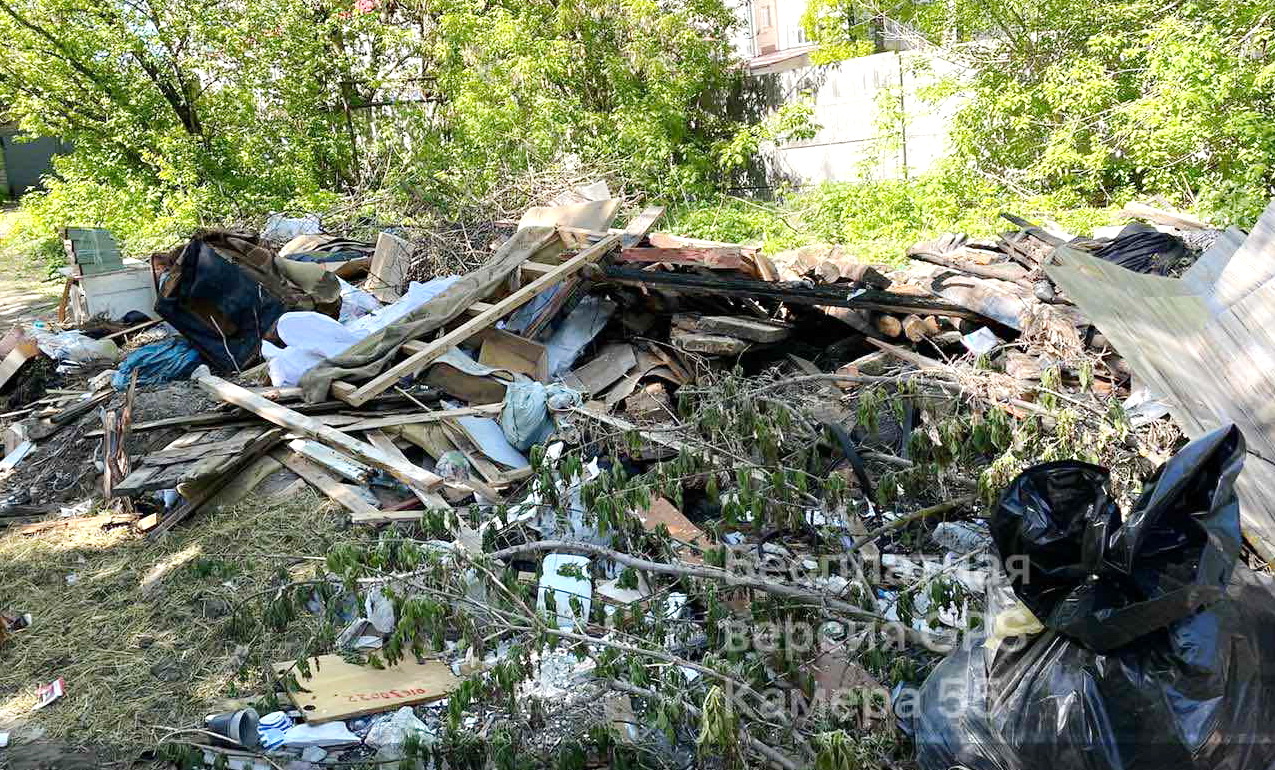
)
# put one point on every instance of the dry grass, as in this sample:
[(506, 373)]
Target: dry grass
[(138, 660)]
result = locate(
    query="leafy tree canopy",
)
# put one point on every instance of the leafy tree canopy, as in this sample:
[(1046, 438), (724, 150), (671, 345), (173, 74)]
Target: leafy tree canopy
[(1105, 98), (181, 109)]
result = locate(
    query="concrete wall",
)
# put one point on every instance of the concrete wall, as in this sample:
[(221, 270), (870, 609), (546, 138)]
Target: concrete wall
[(852, 144), (24, 161)]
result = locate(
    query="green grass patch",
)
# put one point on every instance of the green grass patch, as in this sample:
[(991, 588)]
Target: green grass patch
[(879, 220)]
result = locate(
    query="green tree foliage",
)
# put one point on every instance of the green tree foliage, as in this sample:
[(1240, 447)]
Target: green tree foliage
[(1108, 98), (182, 110)]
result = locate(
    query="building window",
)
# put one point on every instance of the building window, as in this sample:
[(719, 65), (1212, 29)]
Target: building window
[(764, 20)]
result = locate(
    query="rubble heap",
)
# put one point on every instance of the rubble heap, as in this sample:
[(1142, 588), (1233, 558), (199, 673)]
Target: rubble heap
[(694, 497)]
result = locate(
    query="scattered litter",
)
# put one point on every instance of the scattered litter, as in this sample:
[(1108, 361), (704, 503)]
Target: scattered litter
[(981, 341), (380, 611), (271, 729), (12, 459), (1151, 611), (961, 536), (314, 754), (47, 693), (833, 424), (322, 735), (237, 729), (281, 228), (170, 359), (391, 734)]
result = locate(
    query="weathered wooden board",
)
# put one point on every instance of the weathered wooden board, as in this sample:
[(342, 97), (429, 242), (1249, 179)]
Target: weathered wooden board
[(390, 263), (340, 690), (191, 458)]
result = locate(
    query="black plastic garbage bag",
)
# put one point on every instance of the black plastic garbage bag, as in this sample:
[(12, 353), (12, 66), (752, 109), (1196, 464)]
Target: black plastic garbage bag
[(1143, 249), (1159, 649)]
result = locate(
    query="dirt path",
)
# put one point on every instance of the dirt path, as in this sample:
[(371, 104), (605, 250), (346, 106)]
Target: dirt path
[(25, 291)]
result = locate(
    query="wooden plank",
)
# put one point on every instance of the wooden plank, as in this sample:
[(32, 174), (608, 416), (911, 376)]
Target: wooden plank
[(337, 689), (682, 529), (134, 329), (206, 492), (750, 329), (590, 215), (670, 241), (388, 271), (101, 521), (417, 479), (419, 360), (332, 460), (318, 477), (394, 420), (186, 451), (834, 296), (243, 483), (1007, 271), (610, 365), (181, 464), (392, 517), (1163, 217), (713, 258), (640, 225), (379, 439), (707, 344)]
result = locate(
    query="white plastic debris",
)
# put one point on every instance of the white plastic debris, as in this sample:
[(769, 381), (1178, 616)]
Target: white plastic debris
[(388, 736), (4, 740), (980, 341), (355, 302), (310, 337), (1143, 406), (674, 605), (324, 735), (271, 728), (380, 611), (75, 348), (565, 588), (281, 228)]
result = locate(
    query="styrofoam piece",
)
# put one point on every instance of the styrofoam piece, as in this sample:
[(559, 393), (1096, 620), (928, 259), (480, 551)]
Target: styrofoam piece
[(565, 588)]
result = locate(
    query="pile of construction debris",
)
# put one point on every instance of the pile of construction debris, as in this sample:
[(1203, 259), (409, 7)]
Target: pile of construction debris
[(611, 453)]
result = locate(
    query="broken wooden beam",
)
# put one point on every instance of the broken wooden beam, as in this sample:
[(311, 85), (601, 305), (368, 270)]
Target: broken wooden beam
[(835, 296), (417, 479), (917, 329), (260, 446), (713, 258), (332, 460), (751, 329), (707, 344), (640, 225)]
